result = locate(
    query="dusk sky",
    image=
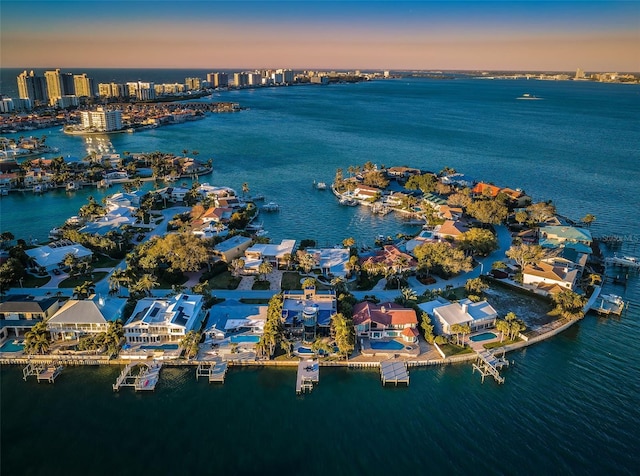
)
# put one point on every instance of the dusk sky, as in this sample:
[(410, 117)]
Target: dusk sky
[(525, 35)]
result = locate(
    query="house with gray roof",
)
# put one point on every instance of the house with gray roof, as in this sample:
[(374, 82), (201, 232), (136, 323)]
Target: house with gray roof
[(19, 312), (165, 320), (479, 315), (77, 318)]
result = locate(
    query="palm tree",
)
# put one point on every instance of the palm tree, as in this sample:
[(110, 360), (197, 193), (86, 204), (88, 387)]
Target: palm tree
[(37, 340), (408, 294), (338, 283), (264, 269), (190, 343), (306, 261), (83, 290), (236, 266), (146, 283)]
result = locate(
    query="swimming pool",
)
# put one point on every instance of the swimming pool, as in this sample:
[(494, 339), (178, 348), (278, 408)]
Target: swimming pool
[(388, 345), (482, 337), (304, 350), (244, 339), (160, 347), (11, 346)]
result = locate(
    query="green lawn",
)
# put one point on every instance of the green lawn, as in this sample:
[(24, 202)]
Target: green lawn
[(452, 349), (103, 261), (224, 280), (493, 345), (261, 285), (79, 280), (31, 281), (291, 281)]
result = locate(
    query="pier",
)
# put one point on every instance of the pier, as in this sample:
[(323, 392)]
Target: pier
[(393, 371), (214, 371), (44, 372), (308, 374), (490, 364), (146, 379), (609, 304)]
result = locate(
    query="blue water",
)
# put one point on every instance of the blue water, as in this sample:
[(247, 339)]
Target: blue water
[(161, 347), (388, 345), (242, 339), (569, 404), (482, 337)]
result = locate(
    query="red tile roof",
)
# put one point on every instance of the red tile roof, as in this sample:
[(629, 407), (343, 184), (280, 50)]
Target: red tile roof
[(482, 188), (386, 314)]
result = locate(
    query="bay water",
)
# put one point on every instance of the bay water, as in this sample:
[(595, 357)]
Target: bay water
[(569, 404)]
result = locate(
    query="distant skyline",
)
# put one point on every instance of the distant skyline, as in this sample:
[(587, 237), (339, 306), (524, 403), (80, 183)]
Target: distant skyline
[(455, 35)]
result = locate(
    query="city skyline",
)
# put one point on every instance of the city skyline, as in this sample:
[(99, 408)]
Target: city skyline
[(552, 36)]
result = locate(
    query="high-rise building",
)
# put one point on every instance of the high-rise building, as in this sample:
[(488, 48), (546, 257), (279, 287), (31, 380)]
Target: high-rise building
[(68, 86), (218, 80), (83, 85), (192, 83), (141, 91), (111, 90), (32, 87), (240, 79), (54, 86), (101, 120)]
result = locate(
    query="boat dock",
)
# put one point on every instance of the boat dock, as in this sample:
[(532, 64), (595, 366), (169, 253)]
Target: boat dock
[(630, 262), (394, 371), (490, 364), (609, 304), (308, 374), (214, 371), (146, 379), (44, 372)]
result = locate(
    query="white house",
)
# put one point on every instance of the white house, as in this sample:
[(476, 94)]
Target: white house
[(273, 253), (51, 256), (158, 321), (331, 261), (77, 318), (479, 315)]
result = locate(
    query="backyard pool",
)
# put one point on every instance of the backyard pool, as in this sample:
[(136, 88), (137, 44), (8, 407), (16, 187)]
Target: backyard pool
[(482, 337), (304, 350), (388, 345), (11, 346), (244, 339), (160, 347)]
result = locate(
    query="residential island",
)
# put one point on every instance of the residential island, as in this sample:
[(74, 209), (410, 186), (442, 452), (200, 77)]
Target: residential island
[(188, 276)]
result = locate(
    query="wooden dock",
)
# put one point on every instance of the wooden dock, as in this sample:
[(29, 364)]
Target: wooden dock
[(43, 371), (50, 373), (214, 371), (146, 379), (609, 304), (394, 371), (308, 374), (490, 364)]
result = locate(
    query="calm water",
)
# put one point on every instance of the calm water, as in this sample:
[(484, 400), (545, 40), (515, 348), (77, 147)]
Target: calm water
[(569, 405)]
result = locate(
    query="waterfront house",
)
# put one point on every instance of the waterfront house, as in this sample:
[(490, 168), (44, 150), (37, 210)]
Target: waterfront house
[(548, 273), (232, 248), (164, 320), (450, 229), (434, 200), (273, 253), (331, 261), (391, 257), (365, 192), (553, 236), (479, 315), (517, 197), (77, 318), (307, 313), (401, 172), (52, 255), (386, 320), (19, 312), (450, 213), (233, 317), (482, 189)]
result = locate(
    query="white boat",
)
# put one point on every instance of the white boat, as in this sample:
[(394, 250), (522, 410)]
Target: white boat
[(321, 186), (349, 202), (271, 207), (4, 191), (37, 189), (624, 261), (529, 97), (72, 186), (256, 198)]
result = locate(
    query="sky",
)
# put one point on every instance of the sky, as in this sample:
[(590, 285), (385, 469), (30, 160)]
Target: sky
[(400, 35)]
